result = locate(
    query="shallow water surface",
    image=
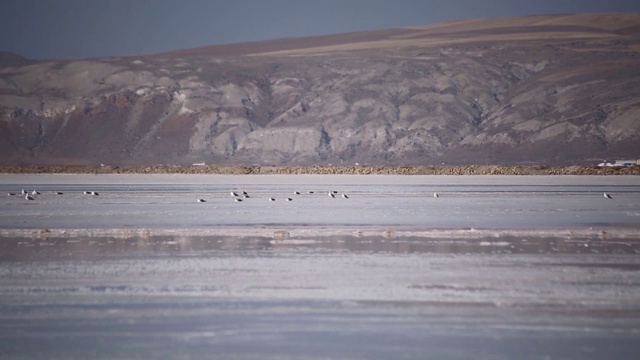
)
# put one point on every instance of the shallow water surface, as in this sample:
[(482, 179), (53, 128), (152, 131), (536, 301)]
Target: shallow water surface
[(146, 201), (494, 268), (374, 298)]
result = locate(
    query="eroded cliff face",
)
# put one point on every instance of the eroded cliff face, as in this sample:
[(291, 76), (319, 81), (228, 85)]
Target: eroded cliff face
[(543, 90)]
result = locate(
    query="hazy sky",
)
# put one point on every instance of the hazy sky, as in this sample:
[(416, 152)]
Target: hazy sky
[(87, 28)]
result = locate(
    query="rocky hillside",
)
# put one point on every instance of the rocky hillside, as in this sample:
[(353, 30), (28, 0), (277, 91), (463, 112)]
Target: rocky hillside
[(544, 89)]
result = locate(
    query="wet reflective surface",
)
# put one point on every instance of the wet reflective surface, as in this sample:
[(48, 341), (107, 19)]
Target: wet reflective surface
[(500, 202), (341, 298), (351, 284), (80, 248)]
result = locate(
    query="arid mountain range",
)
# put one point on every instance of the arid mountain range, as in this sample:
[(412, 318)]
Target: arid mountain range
[(556, 89)]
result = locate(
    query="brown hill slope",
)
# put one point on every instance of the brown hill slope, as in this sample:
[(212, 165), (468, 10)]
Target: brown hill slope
[(542, 89)]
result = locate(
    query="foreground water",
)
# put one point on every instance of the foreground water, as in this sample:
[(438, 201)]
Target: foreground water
[(494, 268)]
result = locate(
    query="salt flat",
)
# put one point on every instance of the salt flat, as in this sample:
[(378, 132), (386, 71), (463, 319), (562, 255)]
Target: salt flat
[(158, 202), (373, 298), (493, 268)]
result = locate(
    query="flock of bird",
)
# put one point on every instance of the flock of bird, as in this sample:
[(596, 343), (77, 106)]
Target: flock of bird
[(237, 196), (30, 196), (241, 196), (244, 195)]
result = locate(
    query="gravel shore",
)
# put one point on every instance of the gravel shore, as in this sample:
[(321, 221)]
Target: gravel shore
[(328, 170)]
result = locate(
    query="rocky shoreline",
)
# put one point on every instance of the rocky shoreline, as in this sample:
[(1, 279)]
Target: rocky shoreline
[(329, 170)]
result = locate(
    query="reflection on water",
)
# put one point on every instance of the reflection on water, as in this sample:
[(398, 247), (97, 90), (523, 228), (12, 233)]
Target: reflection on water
[(96, 247), (339, 297)]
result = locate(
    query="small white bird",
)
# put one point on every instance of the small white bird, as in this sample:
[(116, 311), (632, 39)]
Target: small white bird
[(35, 192), (309, 192), (10, 194), (94, 193), (345, 196), (58, 192), (201, 200), (331, 194), (289, 199), (296, 193), (237, 200), (244, 193), (435, 195), (246, 196), (272, 199), (24, 192), (28, 197), (87, 192), (233, 193), (607, 196)]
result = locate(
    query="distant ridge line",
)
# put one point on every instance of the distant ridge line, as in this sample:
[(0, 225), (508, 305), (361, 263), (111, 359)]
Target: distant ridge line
[(612, 23)]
